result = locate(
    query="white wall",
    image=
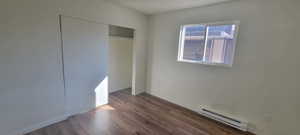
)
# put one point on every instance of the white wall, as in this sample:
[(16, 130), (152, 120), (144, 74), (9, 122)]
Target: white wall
[(120, 63), (263, 84), (31, 86), (85, 57)]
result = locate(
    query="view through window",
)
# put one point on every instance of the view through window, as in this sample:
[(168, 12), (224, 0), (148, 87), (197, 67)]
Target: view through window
[(208, 44)]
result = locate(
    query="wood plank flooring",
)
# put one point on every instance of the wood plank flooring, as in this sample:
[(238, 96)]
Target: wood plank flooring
[(138, 115)]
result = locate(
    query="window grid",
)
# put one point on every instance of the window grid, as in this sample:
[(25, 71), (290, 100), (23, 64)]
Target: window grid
[(211, 52)]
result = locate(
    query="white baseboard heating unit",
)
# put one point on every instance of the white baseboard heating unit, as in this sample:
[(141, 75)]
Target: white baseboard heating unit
[(238, 124)]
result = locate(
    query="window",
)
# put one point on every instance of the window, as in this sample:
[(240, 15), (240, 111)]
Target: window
[(211, 44)]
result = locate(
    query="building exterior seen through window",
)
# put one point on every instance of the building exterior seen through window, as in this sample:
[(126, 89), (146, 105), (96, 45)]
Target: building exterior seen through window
[(212, 44)]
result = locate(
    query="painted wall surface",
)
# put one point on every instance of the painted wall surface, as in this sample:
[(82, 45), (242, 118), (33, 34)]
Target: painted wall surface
[(120, 63), (263, 84), (85, 58), (31, 85)]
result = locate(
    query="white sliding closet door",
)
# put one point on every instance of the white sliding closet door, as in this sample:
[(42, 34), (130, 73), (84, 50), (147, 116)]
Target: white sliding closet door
[(85, 52)]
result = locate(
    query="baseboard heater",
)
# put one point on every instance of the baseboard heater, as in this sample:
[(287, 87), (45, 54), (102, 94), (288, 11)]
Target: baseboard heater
[(238, 124)]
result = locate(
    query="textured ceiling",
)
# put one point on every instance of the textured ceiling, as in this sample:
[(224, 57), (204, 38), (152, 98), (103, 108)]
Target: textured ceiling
[(157, 6)]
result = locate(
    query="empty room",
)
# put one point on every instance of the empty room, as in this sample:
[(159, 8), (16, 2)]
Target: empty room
[(149, 67)]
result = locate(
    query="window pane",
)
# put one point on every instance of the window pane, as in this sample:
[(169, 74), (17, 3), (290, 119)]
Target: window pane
[(220, 44), (194, 41)]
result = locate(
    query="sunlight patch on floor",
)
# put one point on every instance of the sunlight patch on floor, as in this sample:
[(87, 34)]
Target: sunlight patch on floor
[(107, 107)]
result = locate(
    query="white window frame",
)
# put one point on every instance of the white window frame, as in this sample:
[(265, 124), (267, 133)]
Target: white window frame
[(181, 42)]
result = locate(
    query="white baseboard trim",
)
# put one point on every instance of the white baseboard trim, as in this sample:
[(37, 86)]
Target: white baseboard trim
[(137, 93), (39, 125), (112, 91), (251, 129)]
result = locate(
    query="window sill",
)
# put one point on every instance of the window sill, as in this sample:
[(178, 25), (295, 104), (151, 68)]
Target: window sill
[(205, 63)]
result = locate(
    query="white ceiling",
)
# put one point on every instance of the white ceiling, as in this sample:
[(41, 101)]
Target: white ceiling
[(157, 6)]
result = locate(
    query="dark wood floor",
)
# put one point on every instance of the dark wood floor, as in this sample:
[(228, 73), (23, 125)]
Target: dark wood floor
[(138, 115)]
